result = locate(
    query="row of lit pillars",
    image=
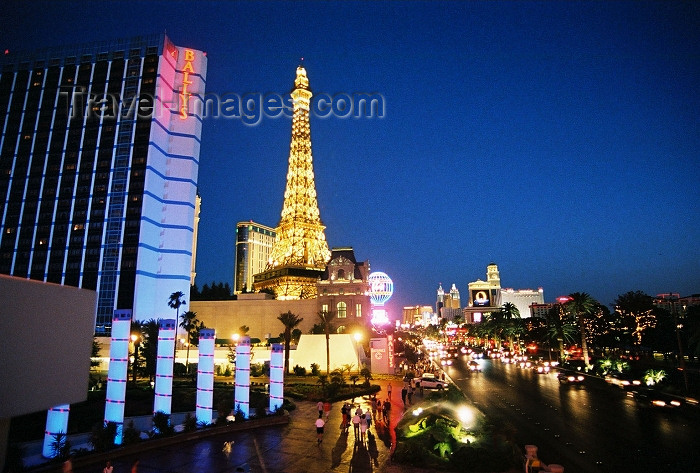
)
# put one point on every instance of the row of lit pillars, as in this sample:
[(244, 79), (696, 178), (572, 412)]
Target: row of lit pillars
[(57, 417)]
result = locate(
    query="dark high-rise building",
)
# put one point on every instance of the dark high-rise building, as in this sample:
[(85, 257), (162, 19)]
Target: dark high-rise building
[(99, 160), (253, 247)]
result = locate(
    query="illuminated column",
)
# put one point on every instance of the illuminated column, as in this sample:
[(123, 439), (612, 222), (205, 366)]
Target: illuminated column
[(276, 376), (164, 367), (241, 399), (205, 376), (118, 367), (56, 422)]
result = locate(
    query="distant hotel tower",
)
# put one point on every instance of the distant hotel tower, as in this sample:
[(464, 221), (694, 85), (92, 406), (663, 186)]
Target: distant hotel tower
[(253, 247), (99, 159), (300, 252)]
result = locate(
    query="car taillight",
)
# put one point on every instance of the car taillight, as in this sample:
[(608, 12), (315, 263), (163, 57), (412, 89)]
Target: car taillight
[(675, 403), (658, 403)]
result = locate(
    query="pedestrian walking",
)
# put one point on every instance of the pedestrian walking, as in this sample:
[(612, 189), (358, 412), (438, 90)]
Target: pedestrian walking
[(356, 426), (363, 429), (344, 412), (368, 419), (410, 394), (108, 467), (380, 409), (319, 406), (320, 424), (387, 411), (374, 407), (327, 409), (388, 390), (403, 395)]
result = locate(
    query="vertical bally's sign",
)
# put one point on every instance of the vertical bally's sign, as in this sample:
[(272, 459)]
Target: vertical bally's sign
[(187, 69)]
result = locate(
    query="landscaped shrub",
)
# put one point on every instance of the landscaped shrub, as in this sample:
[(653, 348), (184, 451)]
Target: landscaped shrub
[(130, 435), (315, 369), (299, 370), (102, 436), (190, 423), (256, 369), (60, 446), (161, 424)]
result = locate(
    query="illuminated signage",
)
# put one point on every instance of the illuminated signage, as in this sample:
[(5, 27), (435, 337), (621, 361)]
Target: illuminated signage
[(184, 92), (390, 346)]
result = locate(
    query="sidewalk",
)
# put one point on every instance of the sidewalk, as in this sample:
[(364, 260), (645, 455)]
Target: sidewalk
[(291, 448)]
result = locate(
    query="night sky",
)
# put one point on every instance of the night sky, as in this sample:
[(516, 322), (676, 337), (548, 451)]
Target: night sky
[(559, 140)]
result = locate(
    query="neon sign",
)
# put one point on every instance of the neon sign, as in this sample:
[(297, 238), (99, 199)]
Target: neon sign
[(184, 93)]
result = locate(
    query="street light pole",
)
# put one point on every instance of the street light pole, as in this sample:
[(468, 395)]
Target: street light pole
[(681, 361)]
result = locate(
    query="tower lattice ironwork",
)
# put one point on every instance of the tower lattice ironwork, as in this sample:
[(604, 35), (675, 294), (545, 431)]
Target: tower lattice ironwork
[(300, 251)]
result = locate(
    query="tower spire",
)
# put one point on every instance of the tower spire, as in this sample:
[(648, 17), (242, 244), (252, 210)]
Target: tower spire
[(300, 242)]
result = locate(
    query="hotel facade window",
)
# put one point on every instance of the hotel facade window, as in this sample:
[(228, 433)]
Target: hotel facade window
[(342, 310), (95, 192)]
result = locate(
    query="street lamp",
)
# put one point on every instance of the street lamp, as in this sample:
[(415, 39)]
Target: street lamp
[(134, 360), (358, 338), (679, 326)]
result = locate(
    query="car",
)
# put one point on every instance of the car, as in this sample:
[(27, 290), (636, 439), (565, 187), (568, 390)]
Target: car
[(622, 381), (542, 368), (570, 377), (474, 366), (654, 398), (430, 381)]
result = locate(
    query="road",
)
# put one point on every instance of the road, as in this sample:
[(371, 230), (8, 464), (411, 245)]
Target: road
[(587, 429)]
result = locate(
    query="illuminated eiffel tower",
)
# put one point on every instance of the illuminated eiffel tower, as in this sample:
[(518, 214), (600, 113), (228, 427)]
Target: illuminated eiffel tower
[(300, 252)]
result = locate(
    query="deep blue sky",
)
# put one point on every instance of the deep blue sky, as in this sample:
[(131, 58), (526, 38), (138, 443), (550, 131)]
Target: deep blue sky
[(559, 140)]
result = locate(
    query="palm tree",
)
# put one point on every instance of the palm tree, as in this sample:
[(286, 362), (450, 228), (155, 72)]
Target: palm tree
[(582, 305), (175, 301), (190, 323), (289, 321), (326, 322), (149, 347), (510, 323)]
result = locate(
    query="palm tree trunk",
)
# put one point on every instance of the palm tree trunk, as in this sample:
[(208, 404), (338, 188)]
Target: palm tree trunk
[(584, 344)]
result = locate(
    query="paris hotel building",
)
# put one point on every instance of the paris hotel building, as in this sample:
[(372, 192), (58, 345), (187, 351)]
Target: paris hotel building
[(99, 158)]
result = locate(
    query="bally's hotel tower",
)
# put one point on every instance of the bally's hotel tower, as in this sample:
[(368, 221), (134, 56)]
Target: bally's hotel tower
[(99, 157)]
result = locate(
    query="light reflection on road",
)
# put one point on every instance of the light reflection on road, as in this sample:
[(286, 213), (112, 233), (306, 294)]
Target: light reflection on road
[(587, 428)]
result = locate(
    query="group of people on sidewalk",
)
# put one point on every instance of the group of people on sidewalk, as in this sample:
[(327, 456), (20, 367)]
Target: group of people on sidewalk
[(353, 414)]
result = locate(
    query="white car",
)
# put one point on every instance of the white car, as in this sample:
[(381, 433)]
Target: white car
[(429, 381)]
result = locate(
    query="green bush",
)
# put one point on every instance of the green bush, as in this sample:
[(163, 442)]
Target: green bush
[(315, 369), (161, 424), (256, 369), (102, 436), (299, 370), (190, 423), (130, 435)]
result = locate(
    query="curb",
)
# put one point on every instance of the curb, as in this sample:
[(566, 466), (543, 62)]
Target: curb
[(102, 457)]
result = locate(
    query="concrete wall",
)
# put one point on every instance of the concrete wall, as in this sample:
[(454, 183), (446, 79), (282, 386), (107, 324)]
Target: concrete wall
[(312, 349), (260, 315), (47, 332)]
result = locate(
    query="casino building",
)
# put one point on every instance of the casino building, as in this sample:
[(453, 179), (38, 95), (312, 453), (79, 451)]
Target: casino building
[(99, 161)]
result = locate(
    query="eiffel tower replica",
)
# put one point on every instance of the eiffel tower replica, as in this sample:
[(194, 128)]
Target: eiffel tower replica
[(300, 251)]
